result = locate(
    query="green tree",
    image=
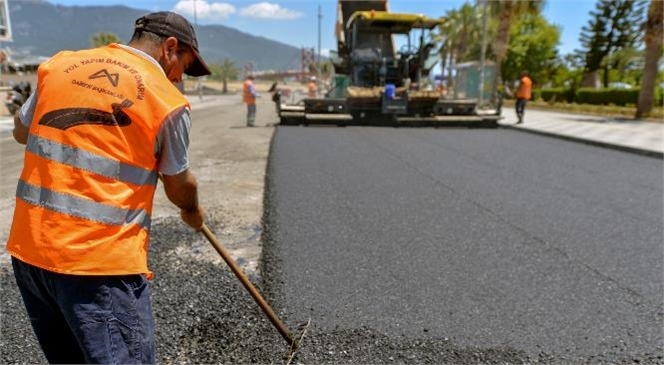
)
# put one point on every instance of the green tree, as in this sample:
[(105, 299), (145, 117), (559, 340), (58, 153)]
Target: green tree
[(570, 72), (101, 39), (458, 35), (623, 65), (505, 11), (532, 47), (653, 40), (327, 68), (445, 41), (226, 71), (468, 30), (614, 26)]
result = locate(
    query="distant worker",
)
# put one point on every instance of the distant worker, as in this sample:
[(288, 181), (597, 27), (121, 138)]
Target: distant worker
[(249, 96), (275, 90), (312, 87), (440, 87), (97, 138), (523, 94)]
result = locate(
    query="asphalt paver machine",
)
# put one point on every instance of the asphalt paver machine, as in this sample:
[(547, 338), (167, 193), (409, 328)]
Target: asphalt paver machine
[(376, 83)]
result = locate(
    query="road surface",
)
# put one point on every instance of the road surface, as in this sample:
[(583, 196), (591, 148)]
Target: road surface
[(490, 239)]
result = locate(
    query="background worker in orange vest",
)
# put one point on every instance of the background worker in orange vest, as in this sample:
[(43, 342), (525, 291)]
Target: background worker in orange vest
[(523, 93), (249, 96), (97, 137), (312, 87)]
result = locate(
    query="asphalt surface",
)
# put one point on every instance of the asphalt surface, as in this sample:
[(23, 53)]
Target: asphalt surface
[(509, 244)]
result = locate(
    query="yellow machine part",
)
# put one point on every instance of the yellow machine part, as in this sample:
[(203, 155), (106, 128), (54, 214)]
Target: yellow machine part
[(405, 21)]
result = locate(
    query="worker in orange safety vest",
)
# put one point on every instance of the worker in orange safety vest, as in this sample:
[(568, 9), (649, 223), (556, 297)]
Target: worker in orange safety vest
[(249, 96), (100, 128), (312, 88), (523, 94)]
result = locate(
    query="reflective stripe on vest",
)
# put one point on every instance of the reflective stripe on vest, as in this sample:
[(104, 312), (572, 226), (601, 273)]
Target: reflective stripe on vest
[(82, 208), (88, 161)]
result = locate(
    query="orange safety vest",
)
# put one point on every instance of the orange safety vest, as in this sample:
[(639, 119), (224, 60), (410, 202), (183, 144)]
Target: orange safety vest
[(247, 98), (525, 88), (312, 89), (84, 198)]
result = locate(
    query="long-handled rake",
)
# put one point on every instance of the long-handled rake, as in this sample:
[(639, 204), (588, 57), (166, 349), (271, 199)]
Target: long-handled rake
[(293, 341)]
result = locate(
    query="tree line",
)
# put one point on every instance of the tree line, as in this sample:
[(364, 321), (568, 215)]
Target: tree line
[(620, 45)]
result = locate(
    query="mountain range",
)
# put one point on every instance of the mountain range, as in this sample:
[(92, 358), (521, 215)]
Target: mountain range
[(42, 29)]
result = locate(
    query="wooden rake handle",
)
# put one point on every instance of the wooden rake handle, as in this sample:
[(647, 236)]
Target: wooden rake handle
[(285, 333)]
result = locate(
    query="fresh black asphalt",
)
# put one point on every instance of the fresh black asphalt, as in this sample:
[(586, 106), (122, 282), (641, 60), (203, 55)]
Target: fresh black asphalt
[(486, 239)]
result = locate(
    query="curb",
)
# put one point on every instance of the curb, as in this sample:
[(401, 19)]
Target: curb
[(635, 150)]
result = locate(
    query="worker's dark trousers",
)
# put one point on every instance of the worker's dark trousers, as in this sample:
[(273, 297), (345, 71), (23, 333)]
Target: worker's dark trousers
[(88, 319), (520, 108), (251, 114)]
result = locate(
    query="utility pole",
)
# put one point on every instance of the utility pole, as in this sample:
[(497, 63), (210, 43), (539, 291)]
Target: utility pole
[(483, 54), (195, 22), (318, 65), (199, 84)]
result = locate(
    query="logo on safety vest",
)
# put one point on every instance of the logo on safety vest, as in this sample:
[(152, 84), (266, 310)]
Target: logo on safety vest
[(71, 117), (113, 78)]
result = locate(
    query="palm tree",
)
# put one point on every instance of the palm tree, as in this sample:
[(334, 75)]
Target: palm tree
[(456, 34), (101, 39), (227, 71), (506, 10), (654, 42), (446, 38), (468, 20)]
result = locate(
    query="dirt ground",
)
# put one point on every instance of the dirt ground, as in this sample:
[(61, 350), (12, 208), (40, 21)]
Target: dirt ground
[(227, 158)]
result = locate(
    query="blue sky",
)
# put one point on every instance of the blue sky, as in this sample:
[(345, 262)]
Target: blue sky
[(295, 22)]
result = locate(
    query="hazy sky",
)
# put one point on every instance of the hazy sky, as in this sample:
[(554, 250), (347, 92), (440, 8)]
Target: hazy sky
[(295, 22)]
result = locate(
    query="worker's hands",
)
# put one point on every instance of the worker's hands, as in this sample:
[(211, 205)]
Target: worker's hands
[(182, 190), (20, 131), (194, 218)]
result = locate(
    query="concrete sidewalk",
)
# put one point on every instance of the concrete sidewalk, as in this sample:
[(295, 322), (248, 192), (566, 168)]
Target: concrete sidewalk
[(641, 137)]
